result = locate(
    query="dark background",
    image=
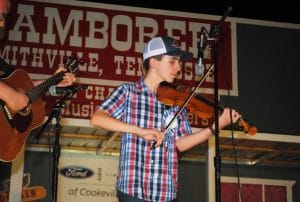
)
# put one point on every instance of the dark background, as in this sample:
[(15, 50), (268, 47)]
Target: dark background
[(280, 11)]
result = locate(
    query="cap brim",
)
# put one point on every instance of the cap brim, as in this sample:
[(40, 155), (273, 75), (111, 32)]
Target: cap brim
[(184, 55)]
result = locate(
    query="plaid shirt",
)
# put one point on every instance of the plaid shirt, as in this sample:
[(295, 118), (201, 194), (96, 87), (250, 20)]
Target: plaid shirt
[(146, 173)]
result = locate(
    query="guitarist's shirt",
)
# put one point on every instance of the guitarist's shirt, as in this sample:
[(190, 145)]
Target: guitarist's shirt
[(5, 69)]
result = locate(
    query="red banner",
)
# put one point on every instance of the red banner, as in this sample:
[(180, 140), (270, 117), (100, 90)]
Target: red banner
[(109, 38)]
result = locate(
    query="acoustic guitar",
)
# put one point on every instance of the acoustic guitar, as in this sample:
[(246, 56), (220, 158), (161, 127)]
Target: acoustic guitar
[(16, 126)]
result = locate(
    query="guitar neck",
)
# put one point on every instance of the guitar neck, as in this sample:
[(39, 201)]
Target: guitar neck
[(42, 88)]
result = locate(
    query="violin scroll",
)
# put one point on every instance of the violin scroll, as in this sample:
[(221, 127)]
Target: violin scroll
[(247, 128)]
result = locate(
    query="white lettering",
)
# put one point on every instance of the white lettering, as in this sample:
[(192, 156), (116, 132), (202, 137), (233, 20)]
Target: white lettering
[(172, 27), (145, 23), (92, 41), (53, 16), (25, 13), (119, 24), (37, 57)]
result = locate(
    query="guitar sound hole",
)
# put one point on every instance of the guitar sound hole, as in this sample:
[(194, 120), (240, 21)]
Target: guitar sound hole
[(22, 122)]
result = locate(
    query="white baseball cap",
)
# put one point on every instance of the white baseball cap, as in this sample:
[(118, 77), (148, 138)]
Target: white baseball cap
[(167, 46)]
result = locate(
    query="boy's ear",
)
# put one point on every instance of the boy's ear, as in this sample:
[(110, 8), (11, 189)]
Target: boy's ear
[(153, 62)]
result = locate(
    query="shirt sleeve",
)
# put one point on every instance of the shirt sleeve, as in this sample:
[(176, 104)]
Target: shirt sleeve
[(116, 103)]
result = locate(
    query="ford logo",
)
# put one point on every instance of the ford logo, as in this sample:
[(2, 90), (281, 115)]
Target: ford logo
[(76, 172)]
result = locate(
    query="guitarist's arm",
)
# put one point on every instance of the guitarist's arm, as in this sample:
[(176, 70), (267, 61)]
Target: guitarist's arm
[(14, 99)]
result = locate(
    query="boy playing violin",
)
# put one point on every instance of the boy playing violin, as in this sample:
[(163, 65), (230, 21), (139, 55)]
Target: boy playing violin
[(133, 109)]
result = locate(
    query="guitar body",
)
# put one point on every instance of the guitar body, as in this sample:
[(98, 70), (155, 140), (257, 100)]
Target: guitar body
[(14, 132)]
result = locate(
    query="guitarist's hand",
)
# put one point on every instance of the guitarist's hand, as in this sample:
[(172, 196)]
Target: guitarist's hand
[(69, 78)]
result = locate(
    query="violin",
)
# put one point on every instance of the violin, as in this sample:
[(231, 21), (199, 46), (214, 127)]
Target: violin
[(198, 104)]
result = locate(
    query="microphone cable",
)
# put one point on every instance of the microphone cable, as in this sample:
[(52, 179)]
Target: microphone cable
[(231, 125)]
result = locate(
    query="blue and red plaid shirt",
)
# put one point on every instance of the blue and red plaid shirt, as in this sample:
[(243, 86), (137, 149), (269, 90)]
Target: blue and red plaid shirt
[(149, 174)]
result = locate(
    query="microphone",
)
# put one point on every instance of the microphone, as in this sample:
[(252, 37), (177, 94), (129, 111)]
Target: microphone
[(55, 91), (199, 69)]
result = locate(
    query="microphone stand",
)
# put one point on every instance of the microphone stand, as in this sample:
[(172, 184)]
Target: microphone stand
[(56, 113), (68, 91), (214, 35)]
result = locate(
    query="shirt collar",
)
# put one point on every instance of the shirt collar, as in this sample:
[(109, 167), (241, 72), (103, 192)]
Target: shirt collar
[(142, 87)]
